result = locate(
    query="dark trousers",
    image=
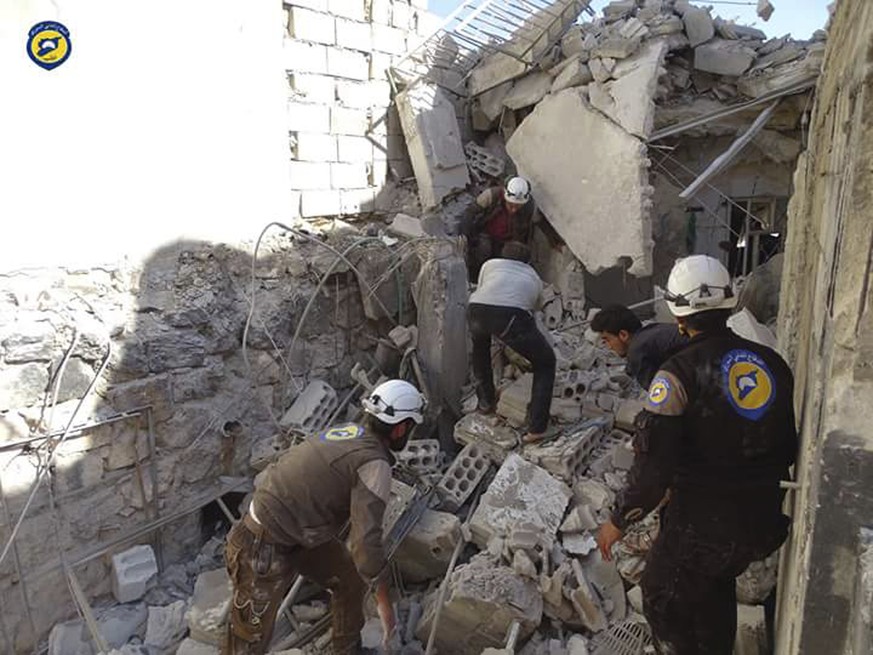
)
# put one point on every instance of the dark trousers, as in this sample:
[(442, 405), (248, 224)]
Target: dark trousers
[(689, 590), (262, 573), (518, 330)]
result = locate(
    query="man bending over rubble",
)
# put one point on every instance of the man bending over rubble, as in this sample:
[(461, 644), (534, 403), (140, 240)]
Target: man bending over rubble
[(718, 431), (644, 347), (502, 306), (296, 517)]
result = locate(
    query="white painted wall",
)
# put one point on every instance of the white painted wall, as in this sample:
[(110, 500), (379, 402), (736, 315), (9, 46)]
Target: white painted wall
[(168, 121)]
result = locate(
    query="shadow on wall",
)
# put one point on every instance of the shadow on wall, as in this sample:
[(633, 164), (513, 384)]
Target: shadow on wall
[(177, 409)]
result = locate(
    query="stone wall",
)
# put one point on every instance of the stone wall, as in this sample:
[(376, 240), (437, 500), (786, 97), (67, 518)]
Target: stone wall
[(175, 325), (826, 332), (344, 134)]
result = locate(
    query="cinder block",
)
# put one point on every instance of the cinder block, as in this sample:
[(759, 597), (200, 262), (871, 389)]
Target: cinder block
[(565, 457), (312, 407), (316, 5), (348, 176), (380, 12), (320, 203), (309, 175), (131, 572), (304, 57), (462, 477), (349, 64), (380, 62), (313, 26), (427, 550), (481, 159), (401, 13), (379, 172), (352, 122), (388, 39), (310, 118), (421, 455), (354, 149), (313, 88), (353, 9), (356, 95), (401, 495), (354, 35), (316, 148), (357, 201)]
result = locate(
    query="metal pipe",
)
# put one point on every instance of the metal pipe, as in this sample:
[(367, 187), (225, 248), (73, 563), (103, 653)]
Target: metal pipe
[(153, 472), (16, 559)]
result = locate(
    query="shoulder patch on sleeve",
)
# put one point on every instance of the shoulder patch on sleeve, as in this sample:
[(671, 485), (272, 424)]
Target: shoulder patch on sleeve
[(345, 432), (667, 396), (376, 476)]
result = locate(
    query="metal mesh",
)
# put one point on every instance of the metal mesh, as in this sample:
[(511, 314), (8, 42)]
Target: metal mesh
[(625, 638)]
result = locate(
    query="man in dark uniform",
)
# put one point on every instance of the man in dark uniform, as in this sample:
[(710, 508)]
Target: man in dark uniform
[(645, 347), (718, 431), (298, 512)]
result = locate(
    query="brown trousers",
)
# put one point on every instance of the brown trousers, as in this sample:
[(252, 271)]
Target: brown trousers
[(262, 572)]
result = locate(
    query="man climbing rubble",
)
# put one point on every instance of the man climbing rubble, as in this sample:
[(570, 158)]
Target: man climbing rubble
[(499, 215), (645, 347), (502, 306), (296, 517), (718, 431)]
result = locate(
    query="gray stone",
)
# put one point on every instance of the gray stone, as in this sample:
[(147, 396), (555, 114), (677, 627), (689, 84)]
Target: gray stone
[(617, 47), (166, 628), (489, 433), (193, 647), (433, 140), (665, 25), (723, 57), (783, 55), (698, 26), (527, 91), (121, 623), (31, 341), (635, 598), (574, 74), (520, 493), (581, 196), (23, 385), (426, 551), (69, 639), (210, 606), (132, 572), (176, 349), (765, 9), (780, 77), (482, 603)]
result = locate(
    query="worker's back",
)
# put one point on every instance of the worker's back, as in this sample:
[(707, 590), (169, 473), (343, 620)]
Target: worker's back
[(508, 283), (305, 496), (739, 436)]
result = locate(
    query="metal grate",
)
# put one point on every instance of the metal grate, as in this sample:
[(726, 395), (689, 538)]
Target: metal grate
[(519, 32), (624, 638)]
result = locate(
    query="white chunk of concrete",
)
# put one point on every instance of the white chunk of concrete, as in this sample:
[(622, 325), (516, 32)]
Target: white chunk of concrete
[(427, 549), (407, 226), (193, 647), (166, 627), (723, 57), (751, 630), (698, 26), (528, 91), (210, 606), (573, 74), (433, 140), (629, 100), (520, 493), (606, 193), (132, 570)]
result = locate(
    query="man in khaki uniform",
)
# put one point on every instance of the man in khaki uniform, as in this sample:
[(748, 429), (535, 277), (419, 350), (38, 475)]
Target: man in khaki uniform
[(295, 518)]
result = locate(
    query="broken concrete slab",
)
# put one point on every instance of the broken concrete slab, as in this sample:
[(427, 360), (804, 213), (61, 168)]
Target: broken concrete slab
[(520, 493), (311, 409), (407, 226), (608, 584), (433, 140), (751, 636), (787, 75), (565, 456), (483, 601), (427, 549), (489, 433), (400, 497), (491, 102), (629, 100), (616, 47), (493, 71), (698, 26), (582, 196), (574, 74), (601, 69), (723, 57), (166, 628), (527, 91), (210, 606)]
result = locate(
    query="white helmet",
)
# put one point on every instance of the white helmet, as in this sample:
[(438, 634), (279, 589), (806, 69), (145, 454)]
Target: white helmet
[(697, 284), (517, 191), (395, 401)]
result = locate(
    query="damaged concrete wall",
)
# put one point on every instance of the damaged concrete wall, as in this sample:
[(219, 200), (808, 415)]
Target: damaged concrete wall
[(344, 134), (175, 325), (825, 330)]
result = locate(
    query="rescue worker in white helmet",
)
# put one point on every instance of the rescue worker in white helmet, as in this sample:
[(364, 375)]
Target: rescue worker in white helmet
[(298, 511), (718, 432), (500, 214)]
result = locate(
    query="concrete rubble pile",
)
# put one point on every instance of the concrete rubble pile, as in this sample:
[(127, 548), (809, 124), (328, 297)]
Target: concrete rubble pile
[(577, 125)]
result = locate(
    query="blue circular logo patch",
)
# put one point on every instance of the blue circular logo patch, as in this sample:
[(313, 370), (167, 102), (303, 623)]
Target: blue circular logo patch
[(49, 44), (659, 391), (748, 383)]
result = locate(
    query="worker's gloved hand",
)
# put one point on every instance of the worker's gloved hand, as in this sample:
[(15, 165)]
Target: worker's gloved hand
[(386, 615)]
